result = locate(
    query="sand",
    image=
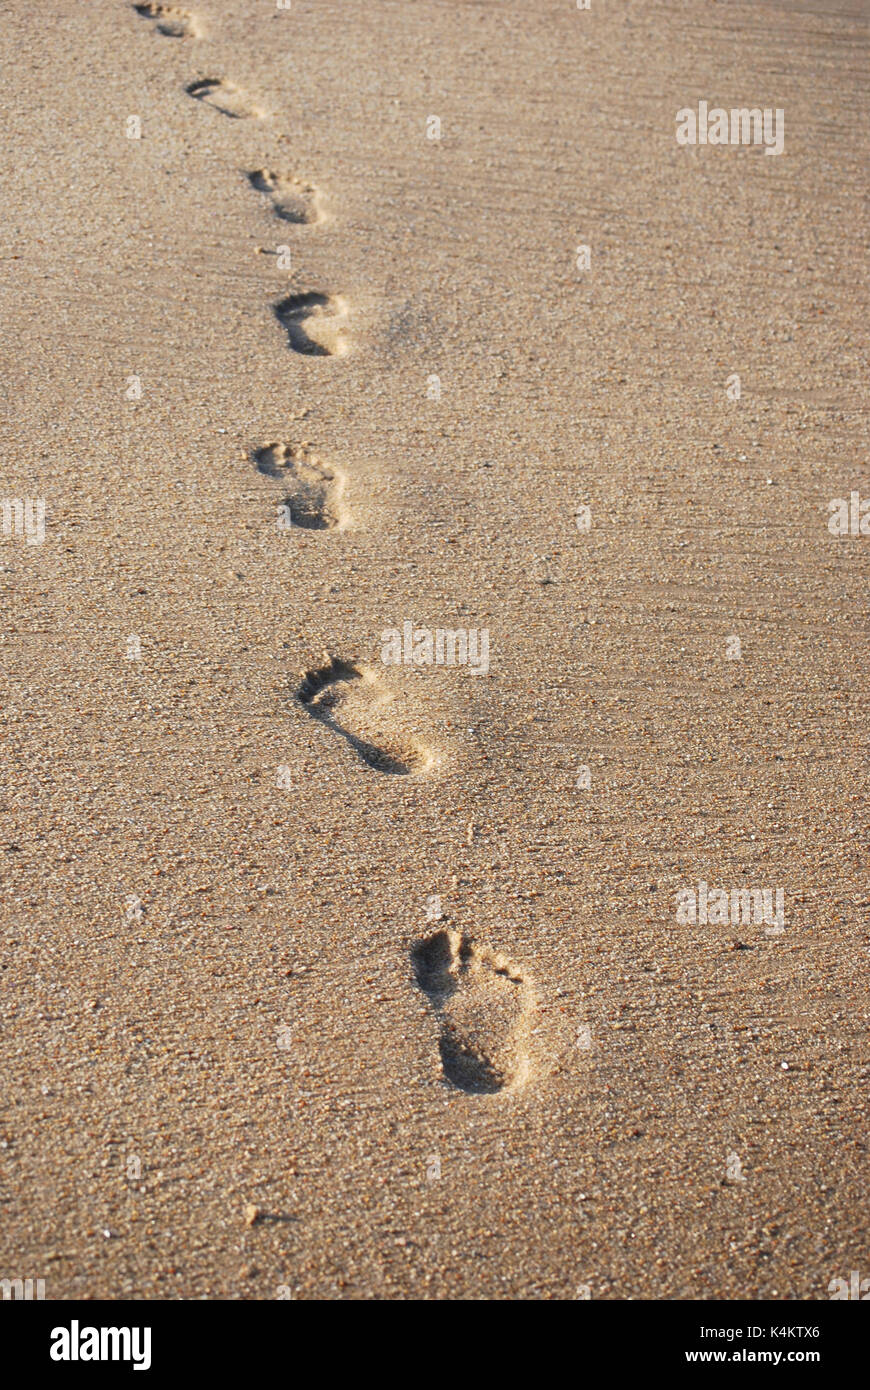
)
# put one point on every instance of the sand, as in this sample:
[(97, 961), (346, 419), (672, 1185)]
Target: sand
[(330, 977)]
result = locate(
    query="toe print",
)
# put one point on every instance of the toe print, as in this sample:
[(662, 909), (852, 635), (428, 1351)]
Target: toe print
[(484, 1004), (351, 701)]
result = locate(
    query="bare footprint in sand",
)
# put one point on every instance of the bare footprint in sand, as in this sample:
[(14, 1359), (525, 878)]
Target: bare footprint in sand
[(292, 200), (225, 97), (316, 324), (485, 1006), (313, 500), (351, 701), (171, 21)]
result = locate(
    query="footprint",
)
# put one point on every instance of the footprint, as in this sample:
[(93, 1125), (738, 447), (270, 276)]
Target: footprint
[(174, 23), (314, 501), (225, 97), (485, 1006), (316, 324), (351, 701), (292, 200)]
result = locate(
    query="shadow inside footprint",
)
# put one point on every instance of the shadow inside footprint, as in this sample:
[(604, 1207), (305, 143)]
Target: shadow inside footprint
[(482, 1002), (339, 694)]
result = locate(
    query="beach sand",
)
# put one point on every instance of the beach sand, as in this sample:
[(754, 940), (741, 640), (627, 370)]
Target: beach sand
[(325, 977)]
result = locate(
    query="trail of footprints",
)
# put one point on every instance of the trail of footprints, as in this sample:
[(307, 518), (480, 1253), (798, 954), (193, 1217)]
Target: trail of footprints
[(345, 697), (483, 1003)]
